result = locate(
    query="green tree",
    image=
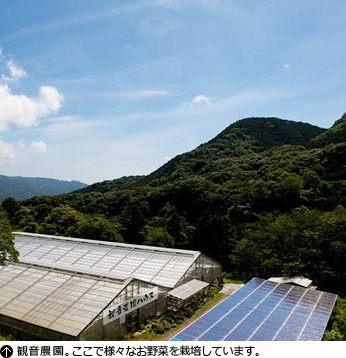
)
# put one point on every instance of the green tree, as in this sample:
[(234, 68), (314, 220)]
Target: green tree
[(337, 322), (304, 242), (63, 220), (11, 206), (133, 218), (157, 236), (175, 224), (98, 228), (7, 249)]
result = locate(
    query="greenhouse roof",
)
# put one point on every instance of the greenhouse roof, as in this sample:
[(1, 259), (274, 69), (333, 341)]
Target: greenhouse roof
[(160, 266), (188, 289), (59, 301)]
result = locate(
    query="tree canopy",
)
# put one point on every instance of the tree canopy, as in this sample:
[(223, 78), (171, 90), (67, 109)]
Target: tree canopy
[(7, 250), (265, 197)]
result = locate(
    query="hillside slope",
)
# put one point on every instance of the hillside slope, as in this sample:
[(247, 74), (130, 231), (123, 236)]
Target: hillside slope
[(242, 138), (116, 184), (26, 187), (265, 197), (336, 134)]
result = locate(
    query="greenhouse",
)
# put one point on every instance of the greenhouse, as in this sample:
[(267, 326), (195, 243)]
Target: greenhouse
[(68, 288), (186, 293)]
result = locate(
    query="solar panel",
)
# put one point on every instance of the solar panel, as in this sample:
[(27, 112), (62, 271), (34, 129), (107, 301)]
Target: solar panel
[(264, 311)]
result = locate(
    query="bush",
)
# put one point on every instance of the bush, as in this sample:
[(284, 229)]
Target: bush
[(337, 322)]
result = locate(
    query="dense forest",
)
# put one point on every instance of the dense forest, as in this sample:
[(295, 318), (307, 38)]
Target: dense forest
[(26, 187), (265, 197)]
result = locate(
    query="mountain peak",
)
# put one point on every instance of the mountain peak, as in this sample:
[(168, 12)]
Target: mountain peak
[(342, 120), (246, 136), (336, 134), (272, 131)]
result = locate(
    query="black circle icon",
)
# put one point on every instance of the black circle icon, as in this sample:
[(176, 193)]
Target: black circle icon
[(6, 351)]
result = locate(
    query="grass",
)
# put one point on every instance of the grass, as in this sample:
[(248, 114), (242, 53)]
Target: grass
[(227, 278), (2, 338), (147, 335)]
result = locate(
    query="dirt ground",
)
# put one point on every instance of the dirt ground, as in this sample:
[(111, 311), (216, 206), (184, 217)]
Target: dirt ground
[(229, 288)]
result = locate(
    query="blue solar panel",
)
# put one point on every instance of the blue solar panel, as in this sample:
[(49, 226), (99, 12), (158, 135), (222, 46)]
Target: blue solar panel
[(264, 310), (318, 320), (194, 331), (247, 327), (221, 329), (298, 317)]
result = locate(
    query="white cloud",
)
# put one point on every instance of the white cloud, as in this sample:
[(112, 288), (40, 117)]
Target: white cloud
[(200, 100), (67, 127), (20, 144), (134, 94), (158, 27), (24, 111), (19, 109), (7, 152), (287, 65), (60, 119), (139, 94), (39, 146), (16, 72)]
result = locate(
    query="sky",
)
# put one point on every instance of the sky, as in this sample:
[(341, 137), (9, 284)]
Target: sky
[(95, 90)]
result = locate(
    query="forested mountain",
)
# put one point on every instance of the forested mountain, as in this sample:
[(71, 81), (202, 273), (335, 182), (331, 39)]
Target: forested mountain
[(335, 135), (214, 159), (26, 187), (266, 197), (108, 185)]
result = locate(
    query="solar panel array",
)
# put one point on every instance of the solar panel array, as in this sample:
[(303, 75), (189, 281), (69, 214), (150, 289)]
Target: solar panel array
[(160, 267), (264, 311), (59, 301)]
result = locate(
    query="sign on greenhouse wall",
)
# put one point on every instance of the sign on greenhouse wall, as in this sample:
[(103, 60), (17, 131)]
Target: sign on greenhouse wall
[(123, 308)]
